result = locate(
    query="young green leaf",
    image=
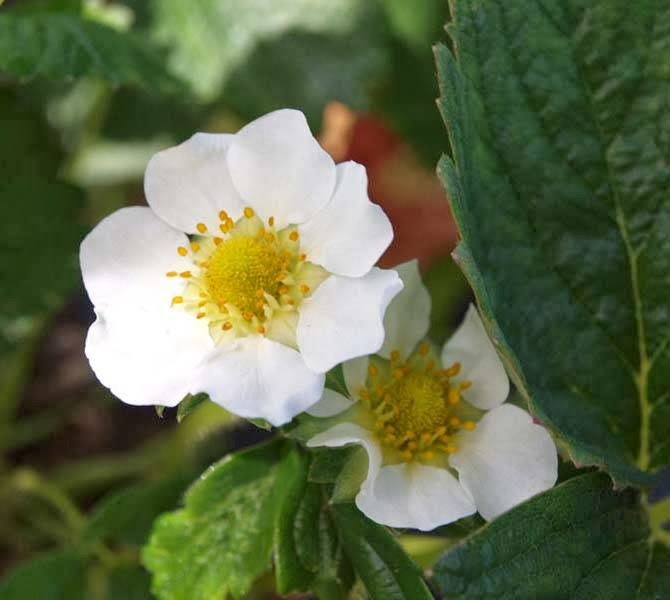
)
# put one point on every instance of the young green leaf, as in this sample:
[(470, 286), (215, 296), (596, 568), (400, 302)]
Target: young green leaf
[(559, 128), (189, 404), (382, 565), (65, 45), (48, 577), (221, 541), (580, 540)]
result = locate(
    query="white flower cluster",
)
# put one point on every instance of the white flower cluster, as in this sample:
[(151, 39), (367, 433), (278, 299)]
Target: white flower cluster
[(251, 274)]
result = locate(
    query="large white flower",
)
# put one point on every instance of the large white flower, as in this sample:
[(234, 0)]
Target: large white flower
[(441, 444), (249, 275)]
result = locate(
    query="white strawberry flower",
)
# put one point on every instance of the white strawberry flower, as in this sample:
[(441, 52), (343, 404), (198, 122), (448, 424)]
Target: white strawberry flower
[(249, 275), (440, 441)]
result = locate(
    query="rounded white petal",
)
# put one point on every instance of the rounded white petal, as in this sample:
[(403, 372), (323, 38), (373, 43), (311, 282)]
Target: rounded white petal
[(279, 169), (355, 373), (408, 316), (331, 404), (505, 460), (480, 363), (147, 356), (125, 257), (415, 496), (258, 378), (350, 233), (344, 318), (190, 183)]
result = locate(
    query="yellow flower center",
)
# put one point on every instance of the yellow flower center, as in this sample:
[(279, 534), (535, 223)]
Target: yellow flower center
[(248, 279), (240, 268), (417, 410)]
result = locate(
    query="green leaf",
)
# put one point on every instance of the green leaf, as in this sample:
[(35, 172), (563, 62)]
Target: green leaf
[(327, 463), (209, 39), (308, 555), (128, 583), (128, 515), (386, 571), (189, 404), (39, 225), (580, 540), (66, 46), (560, 134), (53, 576), (220, 542), (352, 475)]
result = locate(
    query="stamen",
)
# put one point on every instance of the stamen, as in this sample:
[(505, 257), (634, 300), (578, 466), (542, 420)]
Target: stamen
[(195, 246), (372, 371), (185, 274), (182, 251), (293, 236), (177, 299), (227, 326), (469, 425), (171, 274), (248, 212), (304, 289), (201, 227), (223, 215), (424, 349), (271, 221)]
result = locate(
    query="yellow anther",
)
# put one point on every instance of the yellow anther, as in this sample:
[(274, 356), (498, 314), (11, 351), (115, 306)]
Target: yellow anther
[(424, 348), (261, 330), (430, 366), (201, 227), (182, 251), (185, 274), (271, 221), (303, 257), (453, 370), (248, 315), (290, 301), (177, 299), (223, 215), (217, 240), (428, 455), (372, 371), (230, 224), (395, 355), (269, 237), (248, 212), (454, 396), (469, 425), (195, 246), (171, 274), (283, 290), (412, 445), (304, 289), (202, 303), (451, 448), (200, 315), (465, 384), (454, 421), (227, 326), (259, 293), (426, 438), (224, 228), (293, 236), (364, 394)]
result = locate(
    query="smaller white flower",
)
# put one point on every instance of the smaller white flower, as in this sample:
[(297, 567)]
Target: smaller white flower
[(249, 275), (441, 444)]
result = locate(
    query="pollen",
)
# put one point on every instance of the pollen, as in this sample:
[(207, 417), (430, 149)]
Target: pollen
[(249, 212), (239, 268), (417, 411)]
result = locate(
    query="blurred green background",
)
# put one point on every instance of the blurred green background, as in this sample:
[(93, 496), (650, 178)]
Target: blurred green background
[(89, 90)]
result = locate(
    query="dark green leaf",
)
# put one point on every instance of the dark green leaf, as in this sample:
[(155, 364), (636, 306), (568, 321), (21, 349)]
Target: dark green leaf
[(66, 46), (39, 229), (127, 516), (560, 134), (53, 576), (307, 551), (580, 540), (220, 542), (352, 475), (128, 583), (386, 571), (327, 463), (335, 380)]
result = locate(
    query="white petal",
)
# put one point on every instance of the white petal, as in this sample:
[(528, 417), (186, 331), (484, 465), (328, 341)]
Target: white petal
[(505, 460), (279, 168), (355, 373), (415, 496), (259, 378), (147, 356), (331, 404), (344, 434), (344, 318), (480, 363), (350, 233), (190, 183), (408, 316), (125, 258)]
